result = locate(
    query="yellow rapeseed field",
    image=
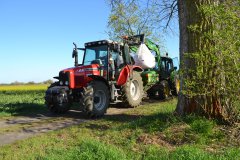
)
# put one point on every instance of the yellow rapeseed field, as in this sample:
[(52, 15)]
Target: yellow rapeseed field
[(23, 87)]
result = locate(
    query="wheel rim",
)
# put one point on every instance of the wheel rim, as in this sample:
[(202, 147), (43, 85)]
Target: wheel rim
[(134, 90), (99, 99), (62, 101)]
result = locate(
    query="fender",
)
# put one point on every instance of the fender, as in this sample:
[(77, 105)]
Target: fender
[(138, 68), (99, 78), (124, 74)]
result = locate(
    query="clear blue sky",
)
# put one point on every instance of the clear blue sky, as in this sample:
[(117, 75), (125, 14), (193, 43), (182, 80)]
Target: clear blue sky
[(36, 35)]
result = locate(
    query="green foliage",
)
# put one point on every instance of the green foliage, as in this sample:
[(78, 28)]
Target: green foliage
[(154, 153), (212, 67), (193, 129), (194, 153), (129, 18), (202, 126), (21, 102), (189, 153), (153, 123), (202, 131), (87, 149)]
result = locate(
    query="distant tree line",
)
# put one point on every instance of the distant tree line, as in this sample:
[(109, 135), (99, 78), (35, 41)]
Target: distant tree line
[(49, 81)]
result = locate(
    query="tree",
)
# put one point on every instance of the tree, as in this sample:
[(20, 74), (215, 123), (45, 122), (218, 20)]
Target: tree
[(209, 54), (49, 81), (209, 48), (131, 17)]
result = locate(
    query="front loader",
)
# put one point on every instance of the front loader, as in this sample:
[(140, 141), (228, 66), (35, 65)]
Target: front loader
[(167, 82)]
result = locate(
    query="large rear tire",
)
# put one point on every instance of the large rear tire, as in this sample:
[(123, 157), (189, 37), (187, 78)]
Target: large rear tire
[(164, 92), (133, 91), (95, 99), (152, 92)]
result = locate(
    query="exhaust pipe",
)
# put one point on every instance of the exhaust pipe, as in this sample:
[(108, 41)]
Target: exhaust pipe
[(75, 55)]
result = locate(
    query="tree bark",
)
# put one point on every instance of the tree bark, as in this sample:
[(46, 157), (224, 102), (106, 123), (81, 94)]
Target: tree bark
[(182, 14), (192, 42)]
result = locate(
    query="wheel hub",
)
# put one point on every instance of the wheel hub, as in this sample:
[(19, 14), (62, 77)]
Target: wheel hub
[(134, 90), (99, 99)]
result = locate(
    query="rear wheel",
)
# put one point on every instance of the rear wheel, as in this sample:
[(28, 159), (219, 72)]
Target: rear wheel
[(152, 92), (133, 91), (95, 99), (164, 90)]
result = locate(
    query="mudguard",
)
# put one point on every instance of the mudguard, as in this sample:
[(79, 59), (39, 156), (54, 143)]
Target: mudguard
[(125, 72)]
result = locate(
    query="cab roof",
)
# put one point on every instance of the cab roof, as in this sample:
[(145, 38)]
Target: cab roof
[(101, 42)]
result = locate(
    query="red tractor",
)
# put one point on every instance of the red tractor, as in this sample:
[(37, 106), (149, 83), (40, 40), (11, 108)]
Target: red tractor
[(106, 74)]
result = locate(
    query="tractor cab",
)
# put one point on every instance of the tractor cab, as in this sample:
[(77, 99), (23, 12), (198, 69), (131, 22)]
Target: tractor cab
[(95, 61), (166, 67), (110, 57), (97, 53)]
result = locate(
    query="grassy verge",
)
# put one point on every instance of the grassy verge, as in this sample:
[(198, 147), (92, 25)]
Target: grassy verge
[(147, 132), (21, 102)]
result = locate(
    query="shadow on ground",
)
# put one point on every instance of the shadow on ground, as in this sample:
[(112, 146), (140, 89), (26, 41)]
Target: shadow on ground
[(35, 110)]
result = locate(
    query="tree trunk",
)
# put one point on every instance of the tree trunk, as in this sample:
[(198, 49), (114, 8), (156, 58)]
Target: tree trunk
[(182, 14), (192, 42)]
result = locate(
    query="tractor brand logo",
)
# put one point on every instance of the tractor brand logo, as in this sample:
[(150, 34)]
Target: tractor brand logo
[(80, 70)]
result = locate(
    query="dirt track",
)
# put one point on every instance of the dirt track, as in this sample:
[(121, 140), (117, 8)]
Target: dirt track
[(17, 128)]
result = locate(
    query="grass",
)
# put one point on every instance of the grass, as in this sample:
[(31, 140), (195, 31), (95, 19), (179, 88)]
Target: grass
[(21, 99), (150, 131)]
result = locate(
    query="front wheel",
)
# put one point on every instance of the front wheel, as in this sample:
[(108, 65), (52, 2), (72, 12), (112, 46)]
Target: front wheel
[(95, 99), (58, 103)]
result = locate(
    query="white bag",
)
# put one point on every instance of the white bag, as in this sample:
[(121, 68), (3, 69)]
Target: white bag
[(144, 57)]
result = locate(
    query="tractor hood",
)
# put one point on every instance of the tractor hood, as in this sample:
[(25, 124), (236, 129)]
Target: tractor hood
[(82, 69), (78, 77)]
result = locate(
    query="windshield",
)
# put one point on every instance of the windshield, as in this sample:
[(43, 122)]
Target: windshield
[(167, 64), (96, 55), (80, 56)]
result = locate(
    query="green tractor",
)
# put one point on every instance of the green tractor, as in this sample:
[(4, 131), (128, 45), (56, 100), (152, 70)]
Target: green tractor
[(164, 74)]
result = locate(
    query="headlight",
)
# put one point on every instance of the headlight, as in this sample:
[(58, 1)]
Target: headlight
[(66, 83), (61, 83)]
